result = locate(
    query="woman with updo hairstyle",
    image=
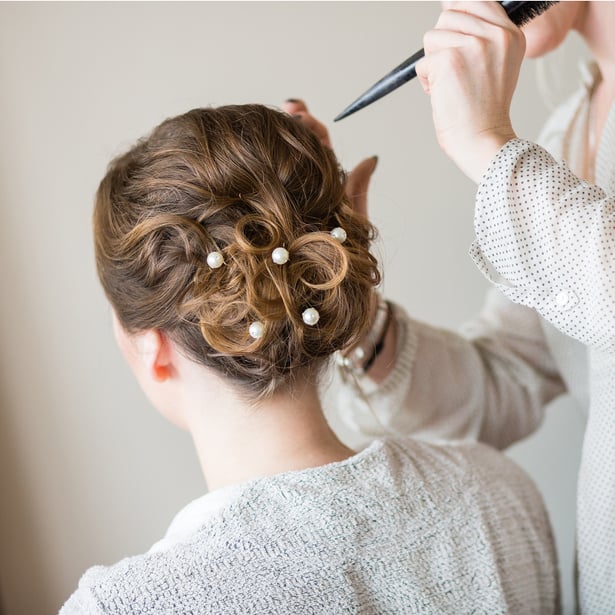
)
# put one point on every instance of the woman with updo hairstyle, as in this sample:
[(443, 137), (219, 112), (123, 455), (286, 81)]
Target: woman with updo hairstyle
[(236, 268)]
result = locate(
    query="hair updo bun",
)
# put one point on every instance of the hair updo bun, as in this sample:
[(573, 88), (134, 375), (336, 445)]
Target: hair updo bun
[(241, 181)]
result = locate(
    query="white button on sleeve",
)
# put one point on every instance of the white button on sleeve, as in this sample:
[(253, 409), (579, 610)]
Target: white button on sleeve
[(551, 237)]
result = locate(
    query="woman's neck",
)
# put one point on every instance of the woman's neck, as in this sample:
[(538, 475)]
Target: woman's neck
[(594, 26), (237, 442)]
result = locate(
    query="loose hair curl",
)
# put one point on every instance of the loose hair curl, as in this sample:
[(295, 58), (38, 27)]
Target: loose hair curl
[(241, 180)]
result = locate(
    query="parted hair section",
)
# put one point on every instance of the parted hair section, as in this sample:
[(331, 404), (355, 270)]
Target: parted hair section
[(242, 181)]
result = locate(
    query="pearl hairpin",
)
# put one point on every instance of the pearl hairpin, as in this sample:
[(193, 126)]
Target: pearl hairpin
[(257, 329), (215, 260), (339, 234), (279, 256), (310, 316)]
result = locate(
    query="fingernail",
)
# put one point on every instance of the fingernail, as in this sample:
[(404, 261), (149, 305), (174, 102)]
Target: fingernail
[(375, 159), (292, 100)]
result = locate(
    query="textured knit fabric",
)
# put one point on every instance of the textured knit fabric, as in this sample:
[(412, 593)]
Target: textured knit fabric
[(547, 239), (401, 527)]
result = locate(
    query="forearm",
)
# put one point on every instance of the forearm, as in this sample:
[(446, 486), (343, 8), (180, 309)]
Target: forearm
[(490, 386)]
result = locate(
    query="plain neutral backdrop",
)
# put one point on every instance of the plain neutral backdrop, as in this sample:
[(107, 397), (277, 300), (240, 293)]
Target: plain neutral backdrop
[(89, 472)]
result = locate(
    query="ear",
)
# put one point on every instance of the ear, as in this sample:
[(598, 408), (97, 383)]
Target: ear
[(154, 350), (148, 353)]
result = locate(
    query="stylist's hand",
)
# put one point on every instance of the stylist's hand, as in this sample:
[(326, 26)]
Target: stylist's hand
[(470, 70), (357, 182)]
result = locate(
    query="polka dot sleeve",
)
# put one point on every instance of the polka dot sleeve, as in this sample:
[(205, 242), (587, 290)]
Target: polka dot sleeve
[(547, 240)]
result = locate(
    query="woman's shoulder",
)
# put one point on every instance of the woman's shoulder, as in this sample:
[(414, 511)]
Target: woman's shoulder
[(284, 542), (450, 457), (471, 475), (112, 589)]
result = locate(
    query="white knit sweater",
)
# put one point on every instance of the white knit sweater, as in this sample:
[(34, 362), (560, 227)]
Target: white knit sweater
[(401, 527)]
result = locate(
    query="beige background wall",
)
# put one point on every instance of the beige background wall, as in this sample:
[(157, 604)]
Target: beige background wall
[(88, 472)]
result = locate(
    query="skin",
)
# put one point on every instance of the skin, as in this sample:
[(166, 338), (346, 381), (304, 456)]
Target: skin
[(549, 30), (473, 57), (236, 440)]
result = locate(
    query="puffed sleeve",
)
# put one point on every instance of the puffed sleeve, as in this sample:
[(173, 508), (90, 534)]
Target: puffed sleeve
[(546, 239)]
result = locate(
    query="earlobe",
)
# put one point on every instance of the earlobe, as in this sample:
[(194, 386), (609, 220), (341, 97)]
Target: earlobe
[(160, 373), (148, 353)]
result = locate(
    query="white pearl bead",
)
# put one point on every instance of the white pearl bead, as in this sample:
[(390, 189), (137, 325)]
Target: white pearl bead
[(310, 316), (215, 260), (256, 330), (280, 256), (339, 234), (359, 353)]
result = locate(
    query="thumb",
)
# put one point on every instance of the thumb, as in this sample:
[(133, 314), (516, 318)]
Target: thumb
[(357, 184)]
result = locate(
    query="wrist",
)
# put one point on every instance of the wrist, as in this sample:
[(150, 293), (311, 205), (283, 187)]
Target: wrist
[(483, 151), (360, 358)]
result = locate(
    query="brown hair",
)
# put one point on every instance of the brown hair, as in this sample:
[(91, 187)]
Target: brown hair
[(241, 180)]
